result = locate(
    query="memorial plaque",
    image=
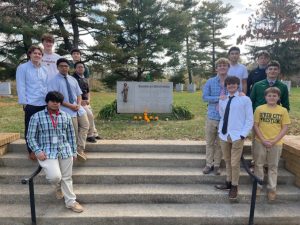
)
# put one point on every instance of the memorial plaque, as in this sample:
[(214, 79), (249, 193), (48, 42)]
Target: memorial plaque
[(192, 88), (5, 89), (288, 83), (179, 87), (139, 97)]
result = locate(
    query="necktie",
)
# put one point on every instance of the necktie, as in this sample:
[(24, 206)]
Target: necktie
[(226, 115), (71, 99)]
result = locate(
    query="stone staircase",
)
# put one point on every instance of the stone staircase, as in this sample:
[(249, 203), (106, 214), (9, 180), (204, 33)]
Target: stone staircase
[(141, 183)]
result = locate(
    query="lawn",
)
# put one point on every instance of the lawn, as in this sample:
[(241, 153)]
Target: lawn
[(11, 119)]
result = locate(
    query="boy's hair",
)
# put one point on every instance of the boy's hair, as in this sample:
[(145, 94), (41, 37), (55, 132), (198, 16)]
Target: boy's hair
[(48, 37), (232, 80), (262, 52), (273, 90), (75, 50), (234, 48), (273, 63), (62, 60), (222, 61), (79, 62), (54, 96), (34, 47)]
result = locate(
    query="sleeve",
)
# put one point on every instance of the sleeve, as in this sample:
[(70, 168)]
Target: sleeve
[(285, 118), (32, 134), (253, 95), (21, 83), (249, 117), (71, 135), (77, 89), (256, 115), (285, 98), (206, 96), (51, 85), (245, 73), (249, 84)]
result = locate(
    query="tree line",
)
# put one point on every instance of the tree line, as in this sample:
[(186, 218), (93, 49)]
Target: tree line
[(138, 39)]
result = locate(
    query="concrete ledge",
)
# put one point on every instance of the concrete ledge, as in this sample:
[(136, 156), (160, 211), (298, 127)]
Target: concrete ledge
[(5, 139), (291, 153)]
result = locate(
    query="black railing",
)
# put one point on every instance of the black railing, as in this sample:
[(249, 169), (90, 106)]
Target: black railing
[(254, 189), (29, 181)]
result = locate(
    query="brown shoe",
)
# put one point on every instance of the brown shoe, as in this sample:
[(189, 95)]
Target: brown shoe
[(81, 155), (75, 207), (272, 195), (208, 169), (217, 170), (58, 194), (226, 186), (32, 156), (233, 192)]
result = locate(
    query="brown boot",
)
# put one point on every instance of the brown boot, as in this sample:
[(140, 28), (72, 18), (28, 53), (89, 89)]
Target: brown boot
[(272, 195), (233, 192)]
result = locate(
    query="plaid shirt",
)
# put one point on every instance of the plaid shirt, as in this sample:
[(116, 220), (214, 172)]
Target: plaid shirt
[(41, 133), (211, 93)]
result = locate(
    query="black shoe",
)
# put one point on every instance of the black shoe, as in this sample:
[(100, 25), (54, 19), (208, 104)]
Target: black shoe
[(226, 186), (91, 139), (233, 192), (208, 169), (98, 137)]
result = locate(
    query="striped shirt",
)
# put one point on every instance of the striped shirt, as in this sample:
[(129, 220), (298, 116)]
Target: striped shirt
[(211, 93), (55, 142)]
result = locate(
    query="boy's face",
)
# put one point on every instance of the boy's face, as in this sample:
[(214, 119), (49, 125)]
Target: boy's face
[(263, 60), (232, 88), (76, 56), (272, 98), (79, 69), (272, 72), (222, 69), (234, 56), (48, 45), (63, 68), (52, 105), (36, 56)]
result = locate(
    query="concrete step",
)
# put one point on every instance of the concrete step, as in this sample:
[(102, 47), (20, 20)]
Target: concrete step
[(143, 193), (152, 214), (136, 175), (100, 159), (136, 146)]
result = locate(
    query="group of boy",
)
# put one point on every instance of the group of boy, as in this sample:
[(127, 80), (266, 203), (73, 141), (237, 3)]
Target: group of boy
[(58, 115), (237, 104)]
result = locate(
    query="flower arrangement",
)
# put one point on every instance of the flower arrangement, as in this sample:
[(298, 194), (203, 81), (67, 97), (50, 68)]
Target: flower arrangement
[(146, 117)]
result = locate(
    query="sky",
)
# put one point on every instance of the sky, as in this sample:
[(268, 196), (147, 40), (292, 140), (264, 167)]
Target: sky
[(242, 10)]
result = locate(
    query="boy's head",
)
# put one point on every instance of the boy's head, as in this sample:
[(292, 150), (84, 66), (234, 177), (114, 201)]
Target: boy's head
[(63, 66), (76, 54), (273, 70), (222, 66), (234, 54), (48, 42), (79, 68), (263, 58), (272, 95), (54, 99), (232, 84), (35, 53)]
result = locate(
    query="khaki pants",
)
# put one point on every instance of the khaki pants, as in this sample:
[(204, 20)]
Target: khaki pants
[(59, 174), (92, 132), (232, 152), (81, 127), (213, 149), (269, 156)]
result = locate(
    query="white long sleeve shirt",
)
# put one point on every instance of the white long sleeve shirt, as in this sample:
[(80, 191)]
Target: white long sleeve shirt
[(240, 119), (31, 84)]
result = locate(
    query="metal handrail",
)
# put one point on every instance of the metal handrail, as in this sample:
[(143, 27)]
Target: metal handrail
[(29, 180), (254, 189)]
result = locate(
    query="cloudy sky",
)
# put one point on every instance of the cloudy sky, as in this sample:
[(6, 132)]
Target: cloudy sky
[(239, 15)]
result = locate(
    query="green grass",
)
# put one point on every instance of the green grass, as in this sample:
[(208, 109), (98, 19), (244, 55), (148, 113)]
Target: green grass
[(12, 117)]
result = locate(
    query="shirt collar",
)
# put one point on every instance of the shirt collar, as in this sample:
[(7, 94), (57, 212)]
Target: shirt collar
[(46, 110)]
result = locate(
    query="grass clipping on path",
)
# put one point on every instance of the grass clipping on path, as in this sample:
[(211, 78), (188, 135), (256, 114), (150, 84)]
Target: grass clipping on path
[(109, 112)]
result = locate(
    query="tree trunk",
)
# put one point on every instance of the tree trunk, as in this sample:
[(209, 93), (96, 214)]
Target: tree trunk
[(64, 32), (188, 61), (74, 23)]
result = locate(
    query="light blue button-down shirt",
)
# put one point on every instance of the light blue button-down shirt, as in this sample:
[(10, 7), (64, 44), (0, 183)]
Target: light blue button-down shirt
[(31, 84), (240, 119), (211, 93), (58, 83)]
